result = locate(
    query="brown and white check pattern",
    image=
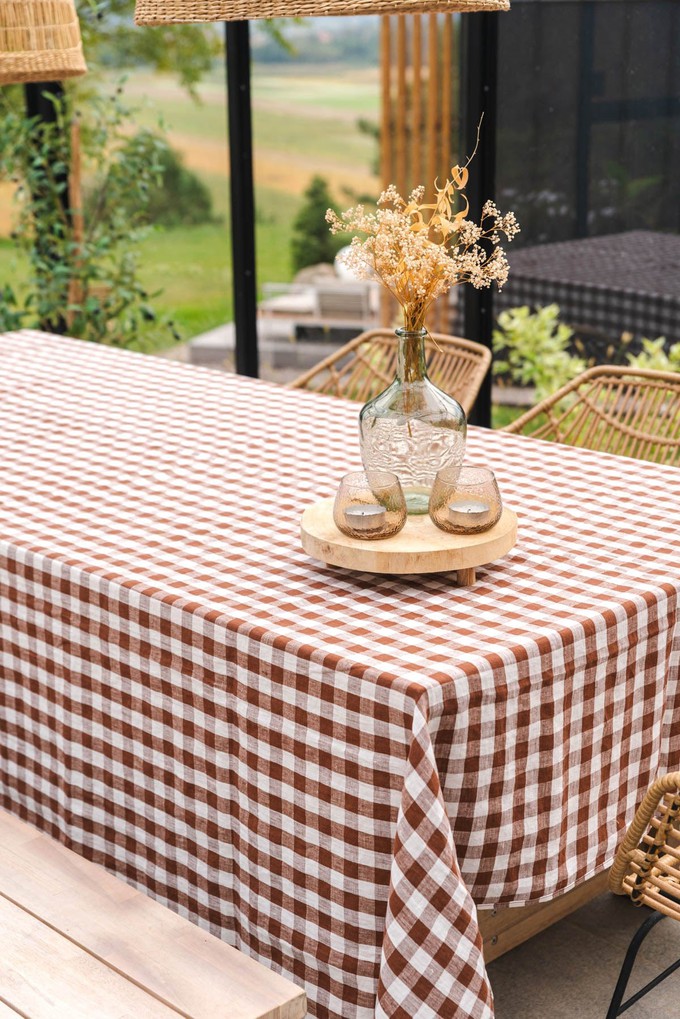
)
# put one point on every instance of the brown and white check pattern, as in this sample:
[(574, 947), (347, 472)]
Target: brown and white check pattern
[(326, 768)]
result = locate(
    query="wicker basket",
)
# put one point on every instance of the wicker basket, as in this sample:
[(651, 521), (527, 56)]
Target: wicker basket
[(39, 41), (158, 12)]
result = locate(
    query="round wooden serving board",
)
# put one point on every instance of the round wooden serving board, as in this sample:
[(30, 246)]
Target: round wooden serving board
[(419, 548)]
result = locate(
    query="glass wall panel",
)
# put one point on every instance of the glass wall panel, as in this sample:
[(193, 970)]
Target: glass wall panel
[(588, 156)]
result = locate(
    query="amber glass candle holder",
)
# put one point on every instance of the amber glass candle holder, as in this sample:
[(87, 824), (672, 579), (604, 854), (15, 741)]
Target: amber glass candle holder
[(465, 500), (370, 505)]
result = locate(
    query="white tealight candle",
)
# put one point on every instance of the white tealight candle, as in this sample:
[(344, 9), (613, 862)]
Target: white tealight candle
[(469, 513), (362, 517)]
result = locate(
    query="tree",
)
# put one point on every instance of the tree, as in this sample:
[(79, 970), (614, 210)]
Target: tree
[(110, 38), (178, 196), (312, 241)]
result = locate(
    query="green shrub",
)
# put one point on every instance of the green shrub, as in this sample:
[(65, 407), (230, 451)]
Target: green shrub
[(177, 197), (312, 242), (653, 355), (533, 348)]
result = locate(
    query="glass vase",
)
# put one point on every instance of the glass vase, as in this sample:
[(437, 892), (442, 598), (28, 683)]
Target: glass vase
[(412, 428)]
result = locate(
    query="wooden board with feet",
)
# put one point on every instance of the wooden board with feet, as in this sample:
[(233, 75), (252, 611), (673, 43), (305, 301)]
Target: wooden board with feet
[(419, 548)]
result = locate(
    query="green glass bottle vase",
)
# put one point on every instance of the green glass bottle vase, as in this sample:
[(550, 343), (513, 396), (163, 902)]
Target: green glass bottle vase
[(412, 428)]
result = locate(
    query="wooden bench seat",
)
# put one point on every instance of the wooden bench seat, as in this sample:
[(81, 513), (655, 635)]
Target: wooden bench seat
[(77, 943)]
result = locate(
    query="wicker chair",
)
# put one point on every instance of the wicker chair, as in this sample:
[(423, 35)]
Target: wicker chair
[(365, 366), (647, 868), (630, 411)]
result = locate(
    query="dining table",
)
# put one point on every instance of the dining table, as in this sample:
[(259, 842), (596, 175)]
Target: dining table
[(334, 771), (608, 285)]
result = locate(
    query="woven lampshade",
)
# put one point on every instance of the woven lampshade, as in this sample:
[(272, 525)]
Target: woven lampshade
[(158, 12), (39, 41)]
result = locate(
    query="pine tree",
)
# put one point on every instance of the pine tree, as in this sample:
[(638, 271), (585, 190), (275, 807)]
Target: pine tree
[(311, 241)]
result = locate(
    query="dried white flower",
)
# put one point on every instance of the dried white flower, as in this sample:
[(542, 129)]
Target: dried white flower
[(419, 251)]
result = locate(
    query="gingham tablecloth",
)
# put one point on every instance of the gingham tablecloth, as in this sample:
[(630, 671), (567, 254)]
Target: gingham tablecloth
[(328, 769), (616, 283)]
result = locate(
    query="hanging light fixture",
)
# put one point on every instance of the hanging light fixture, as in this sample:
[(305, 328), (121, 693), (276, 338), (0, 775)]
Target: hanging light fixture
[(39, 41), (158, 12)]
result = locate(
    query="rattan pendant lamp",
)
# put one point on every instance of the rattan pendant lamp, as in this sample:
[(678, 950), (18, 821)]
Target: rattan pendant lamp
[(158, 12), (39, 41)]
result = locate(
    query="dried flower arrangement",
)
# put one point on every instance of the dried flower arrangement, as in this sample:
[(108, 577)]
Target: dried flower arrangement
[(419, 251)]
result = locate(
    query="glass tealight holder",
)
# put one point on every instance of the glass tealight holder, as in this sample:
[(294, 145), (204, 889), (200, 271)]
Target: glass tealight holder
[(465, 500), (370, 505)]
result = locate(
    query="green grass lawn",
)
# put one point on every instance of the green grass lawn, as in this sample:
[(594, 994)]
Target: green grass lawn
[(285, 131), (335, 87), (501, 415), (157, 98), (192, 265), (337, 95)]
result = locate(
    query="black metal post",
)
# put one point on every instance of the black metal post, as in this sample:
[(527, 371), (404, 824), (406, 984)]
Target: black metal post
[(242, 197), (479, 61), (38, 103)]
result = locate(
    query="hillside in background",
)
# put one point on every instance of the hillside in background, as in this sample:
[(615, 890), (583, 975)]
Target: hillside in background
[(352, 40)]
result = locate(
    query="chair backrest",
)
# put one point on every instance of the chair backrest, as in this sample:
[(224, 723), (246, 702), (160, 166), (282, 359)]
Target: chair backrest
[(629, 411), (647, 864), (366, 365), (347, 301)]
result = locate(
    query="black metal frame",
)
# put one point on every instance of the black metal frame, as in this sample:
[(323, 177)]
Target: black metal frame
[(242, 192), (618, 1006), (479, 67)]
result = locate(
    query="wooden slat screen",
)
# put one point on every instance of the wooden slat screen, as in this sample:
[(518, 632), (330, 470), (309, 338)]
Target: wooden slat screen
[(420, 104)]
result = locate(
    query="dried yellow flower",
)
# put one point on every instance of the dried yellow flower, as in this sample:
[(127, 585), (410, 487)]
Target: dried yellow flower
[(419, 251)]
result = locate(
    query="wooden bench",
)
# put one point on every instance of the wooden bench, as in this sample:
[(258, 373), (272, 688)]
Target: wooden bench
[(77, 943)]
